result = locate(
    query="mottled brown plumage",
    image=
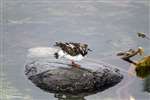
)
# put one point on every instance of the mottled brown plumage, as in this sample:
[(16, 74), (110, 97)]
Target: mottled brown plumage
[(73, 49)]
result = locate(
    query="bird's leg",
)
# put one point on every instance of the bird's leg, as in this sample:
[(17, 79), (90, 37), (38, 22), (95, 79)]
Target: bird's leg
[(74, 64)]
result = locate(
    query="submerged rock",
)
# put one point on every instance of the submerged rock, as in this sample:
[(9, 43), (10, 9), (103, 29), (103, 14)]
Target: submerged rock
[(147, 84), (143, 67), (59, 77)]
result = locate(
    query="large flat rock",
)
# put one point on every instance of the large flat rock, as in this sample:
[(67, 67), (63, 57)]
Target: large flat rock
[(59, 77)]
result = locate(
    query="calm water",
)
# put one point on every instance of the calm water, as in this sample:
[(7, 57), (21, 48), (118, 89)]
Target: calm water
[(108, 26)]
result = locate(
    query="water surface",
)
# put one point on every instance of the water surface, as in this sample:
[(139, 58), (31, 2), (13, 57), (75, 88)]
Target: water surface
[(107, 26)]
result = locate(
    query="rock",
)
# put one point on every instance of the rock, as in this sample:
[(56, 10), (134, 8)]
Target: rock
[(147, 84), (59, 77)]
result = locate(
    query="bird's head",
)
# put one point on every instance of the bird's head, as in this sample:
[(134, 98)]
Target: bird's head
[(83, 45), (86, 47)]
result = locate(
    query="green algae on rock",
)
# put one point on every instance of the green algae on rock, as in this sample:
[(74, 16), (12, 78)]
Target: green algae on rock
[(143, 67)]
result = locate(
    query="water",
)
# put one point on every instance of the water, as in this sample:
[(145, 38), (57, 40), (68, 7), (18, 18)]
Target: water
[(107, 26)]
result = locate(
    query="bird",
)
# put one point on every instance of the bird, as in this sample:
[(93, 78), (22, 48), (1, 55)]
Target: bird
[(72, 51), (142, 35)]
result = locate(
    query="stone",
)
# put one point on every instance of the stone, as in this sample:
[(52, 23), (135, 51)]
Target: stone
[(59, 77), (147, 84)]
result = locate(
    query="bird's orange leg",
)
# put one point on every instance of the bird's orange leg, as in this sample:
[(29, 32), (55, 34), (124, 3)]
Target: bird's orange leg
[(74, 64)]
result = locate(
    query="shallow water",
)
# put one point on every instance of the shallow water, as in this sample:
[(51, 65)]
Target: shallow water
[(107, 26)]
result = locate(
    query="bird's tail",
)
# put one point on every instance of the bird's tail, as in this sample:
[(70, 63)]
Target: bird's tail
[(41, 52)]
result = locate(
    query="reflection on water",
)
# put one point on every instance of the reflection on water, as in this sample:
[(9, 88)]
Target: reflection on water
[(9, 92), (68, 97)]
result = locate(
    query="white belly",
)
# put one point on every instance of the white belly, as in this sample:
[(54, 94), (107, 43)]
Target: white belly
[(75, 58), (67, 56)]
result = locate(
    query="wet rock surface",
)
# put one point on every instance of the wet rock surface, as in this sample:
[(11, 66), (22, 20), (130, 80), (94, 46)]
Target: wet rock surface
[(60, 77), (147, 84)]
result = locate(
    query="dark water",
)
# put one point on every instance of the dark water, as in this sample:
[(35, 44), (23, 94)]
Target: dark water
[(107, 26)]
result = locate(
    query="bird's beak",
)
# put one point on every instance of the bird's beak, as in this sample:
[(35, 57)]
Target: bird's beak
[(89, 50)]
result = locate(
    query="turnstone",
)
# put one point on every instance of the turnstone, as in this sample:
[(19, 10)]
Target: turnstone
[(143, 35), (72, 51)]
